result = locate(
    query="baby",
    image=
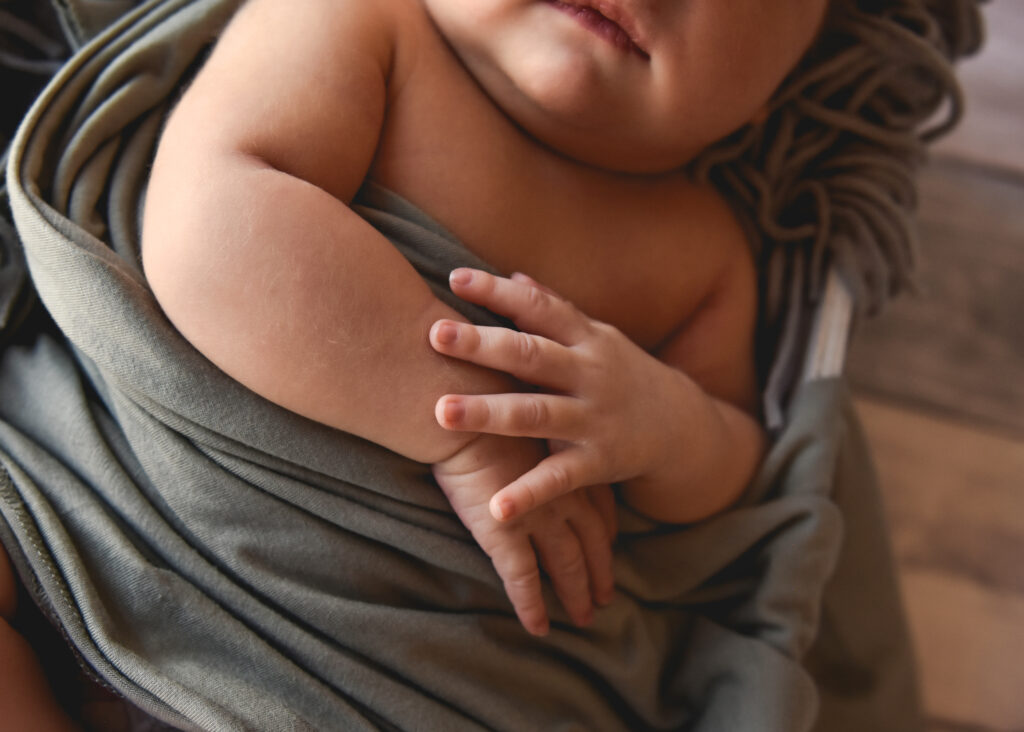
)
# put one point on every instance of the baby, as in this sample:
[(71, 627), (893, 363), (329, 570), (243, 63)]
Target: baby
[(551, 138)]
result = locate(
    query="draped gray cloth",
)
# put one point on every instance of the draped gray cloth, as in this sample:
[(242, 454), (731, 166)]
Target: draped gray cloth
[(225, 564)]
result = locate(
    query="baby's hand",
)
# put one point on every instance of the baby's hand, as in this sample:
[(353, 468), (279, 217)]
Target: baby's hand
[(571, 536), (611, 410)]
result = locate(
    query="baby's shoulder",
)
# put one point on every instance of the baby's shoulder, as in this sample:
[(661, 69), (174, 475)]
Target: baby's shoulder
[(715, 233), (321, 29), (301, 86)]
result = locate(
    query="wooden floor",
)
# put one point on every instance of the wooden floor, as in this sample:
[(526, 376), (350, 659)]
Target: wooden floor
[(940, 386)]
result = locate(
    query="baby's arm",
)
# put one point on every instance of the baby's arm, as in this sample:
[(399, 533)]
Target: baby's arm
[(254, 254), (681, 452)]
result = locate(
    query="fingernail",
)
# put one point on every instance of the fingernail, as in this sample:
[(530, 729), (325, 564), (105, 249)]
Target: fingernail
[(605, 597), (460, 277), (446, 333), (586, 618), (454, 411), (503, 509)]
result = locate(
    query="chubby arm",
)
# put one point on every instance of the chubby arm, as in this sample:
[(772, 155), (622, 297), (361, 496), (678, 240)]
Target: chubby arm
[(251, 248), (253, 252)]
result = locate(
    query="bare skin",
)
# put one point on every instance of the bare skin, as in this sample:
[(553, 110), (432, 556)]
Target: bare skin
[(26, 700), (248, 233), (616, 414)]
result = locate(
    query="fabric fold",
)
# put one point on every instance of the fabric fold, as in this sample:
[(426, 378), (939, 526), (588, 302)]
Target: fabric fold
[(225, 564)]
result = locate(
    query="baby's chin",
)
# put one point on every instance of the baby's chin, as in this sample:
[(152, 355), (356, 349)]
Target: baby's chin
[(599, 139), (574, 114)]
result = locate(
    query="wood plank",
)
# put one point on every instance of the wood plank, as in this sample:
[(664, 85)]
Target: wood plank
[(944, 725), (970, 642), (954, 496), (959, 347)]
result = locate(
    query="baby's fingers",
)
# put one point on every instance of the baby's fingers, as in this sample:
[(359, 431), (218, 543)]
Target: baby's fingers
[(543, 416), (530, 358), (563, 560), (533, 309), (527, 280), (553, 476), (597, 551), (517, 566)]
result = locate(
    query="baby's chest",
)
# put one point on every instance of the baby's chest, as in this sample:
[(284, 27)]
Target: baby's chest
[(638, 272), (641, 253), (641, 257)]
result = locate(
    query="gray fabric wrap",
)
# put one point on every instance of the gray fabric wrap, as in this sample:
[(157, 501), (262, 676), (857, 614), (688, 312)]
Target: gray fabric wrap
[(225, 564)]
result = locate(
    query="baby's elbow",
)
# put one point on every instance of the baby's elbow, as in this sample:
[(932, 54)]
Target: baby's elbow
[(187, 230), (168, 264), (193, 284)]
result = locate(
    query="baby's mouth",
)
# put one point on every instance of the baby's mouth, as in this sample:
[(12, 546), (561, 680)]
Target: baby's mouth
[(586, 12)]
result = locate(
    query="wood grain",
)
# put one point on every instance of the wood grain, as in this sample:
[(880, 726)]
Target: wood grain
[(959, 347), (969, 642), (940, 380), (954, 495)]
